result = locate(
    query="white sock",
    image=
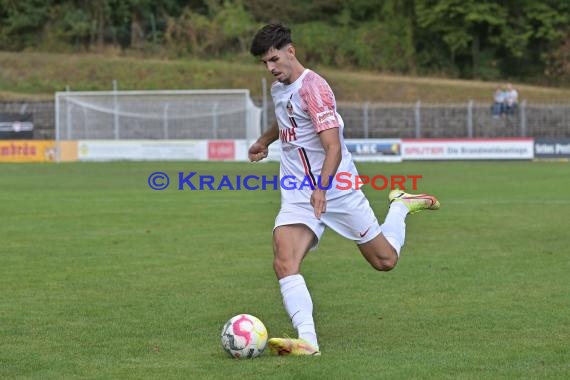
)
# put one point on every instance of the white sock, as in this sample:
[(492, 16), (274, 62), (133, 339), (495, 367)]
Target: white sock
[(299, 305), (394, 227)]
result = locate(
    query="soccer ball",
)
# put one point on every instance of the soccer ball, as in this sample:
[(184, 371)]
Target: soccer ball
[(244, 336)]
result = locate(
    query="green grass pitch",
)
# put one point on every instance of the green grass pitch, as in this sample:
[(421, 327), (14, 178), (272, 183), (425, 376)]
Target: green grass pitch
[(103, 278)]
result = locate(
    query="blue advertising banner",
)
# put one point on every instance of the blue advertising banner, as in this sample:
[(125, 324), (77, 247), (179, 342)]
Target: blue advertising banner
[(375, 149), (551, 148)]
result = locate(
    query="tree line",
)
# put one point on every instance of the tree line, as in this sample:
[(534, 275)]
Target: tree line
[(474, 39)]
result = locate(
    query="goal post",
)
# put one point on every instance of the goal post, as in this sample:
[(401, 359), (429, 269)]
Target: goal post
[(156, 115)]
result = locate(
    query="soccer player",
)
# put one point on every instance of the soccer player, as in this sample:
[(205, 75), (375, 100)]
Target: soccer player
[(312, 152)]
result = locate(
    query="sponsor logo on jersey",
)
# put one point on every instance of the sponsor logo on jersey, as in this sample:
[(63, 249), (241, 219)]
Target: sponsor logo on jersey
[(325, 116)]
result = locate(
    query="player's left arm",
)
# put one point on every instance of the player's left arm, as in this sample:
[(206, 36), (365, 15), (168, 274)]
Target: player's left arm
[(331, 144)]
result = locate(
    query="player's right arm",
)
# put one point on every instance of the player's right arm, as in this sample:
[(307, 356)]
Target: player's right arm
[(259, 149)]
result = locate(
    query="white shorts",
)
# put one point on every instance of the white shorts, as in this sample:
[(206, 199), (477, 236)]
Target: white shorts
[(349, 215)]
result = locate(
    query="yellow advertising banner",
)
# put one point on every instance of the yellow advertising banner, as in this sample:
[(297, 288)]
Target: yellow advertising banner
[(36, 151)]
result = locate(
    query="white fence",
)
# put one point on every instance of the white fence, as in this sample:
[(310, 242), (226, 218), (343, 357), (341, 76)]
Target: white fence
[(363, 120), (458, 120)]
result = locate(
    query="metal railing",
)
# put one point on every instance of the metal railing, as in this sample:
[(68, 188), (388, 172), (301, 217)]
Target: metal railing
[(457, 120), (467, 120), (405, 120)]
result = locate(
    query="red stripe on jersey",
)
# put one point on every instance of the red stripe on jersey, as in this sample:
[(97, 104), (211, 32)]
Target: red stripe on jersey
[(307, 166), (303, 161), (293, 122), (292, 133)]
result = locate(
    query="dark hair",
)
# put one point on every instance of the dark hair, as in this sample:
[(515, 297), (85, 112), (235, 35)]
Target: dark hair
[(270, 36)]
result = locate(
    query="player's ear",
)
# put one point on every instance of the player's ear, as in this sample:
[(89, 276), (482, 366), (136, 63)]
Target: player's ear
[(291, 50)]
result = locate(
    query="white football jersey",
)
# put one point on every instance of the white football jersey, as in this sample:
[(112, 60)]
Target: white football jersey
[(303, 109)]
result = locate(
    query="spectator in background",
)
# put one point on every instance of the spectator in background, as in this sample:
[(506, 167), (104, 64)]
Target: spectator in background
[(499, 103), (511, 99)]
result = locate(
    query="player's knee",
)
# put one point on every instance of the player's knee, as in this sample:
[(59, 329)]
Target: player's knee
[(384, 264), (284, 267)]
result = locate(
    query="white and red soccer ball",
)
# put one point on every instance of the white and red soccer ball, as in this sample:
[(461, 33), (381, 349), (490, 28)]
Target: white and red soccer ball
[(244, 336)]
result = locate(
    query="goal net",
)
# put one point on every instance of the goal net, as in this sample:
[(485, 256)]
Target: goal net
[(156, 115)]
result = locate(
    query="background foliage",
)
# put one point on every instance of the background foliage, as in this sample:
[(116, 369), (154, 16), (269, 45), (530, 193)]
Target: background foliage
[(473, 39)]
